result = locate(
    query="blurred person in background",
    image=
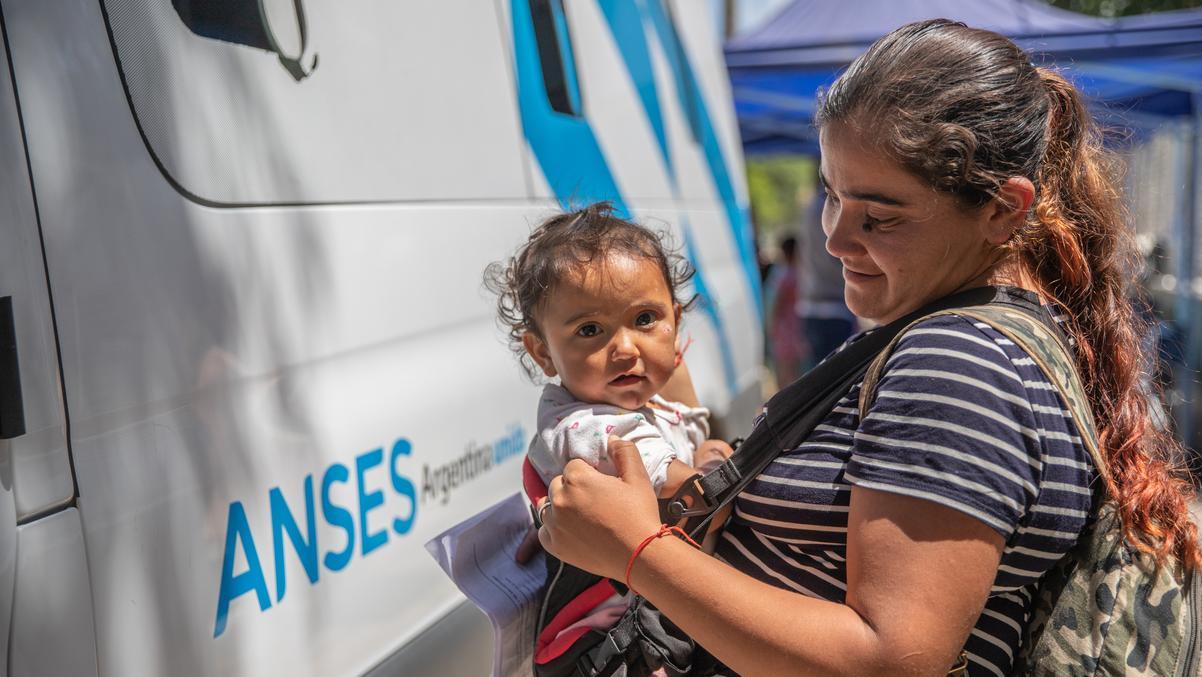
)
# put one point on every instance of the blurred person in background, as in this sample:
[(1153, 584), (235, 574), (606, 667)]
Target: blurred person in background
[(786, 346), (825, 320)]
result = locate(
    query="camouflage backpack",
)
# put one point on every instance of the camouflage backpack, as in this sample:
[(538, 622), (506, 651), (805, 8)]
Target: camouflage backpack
[(1104, 608)]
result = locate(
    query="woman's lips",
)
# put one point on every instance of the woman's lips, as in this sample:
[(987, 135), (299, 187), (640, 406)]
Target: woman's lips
[(626, 380), (853, 276)]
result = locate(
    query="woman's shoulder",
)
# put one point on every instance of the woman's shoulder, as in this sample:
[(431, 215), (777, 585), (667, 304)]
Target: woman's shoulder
[(967, 373), (961, 357), (960, 344), (965, 417), (952, 326)]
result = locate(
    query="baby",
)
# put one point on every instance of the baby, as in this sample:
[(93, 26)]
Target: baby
[(593, 300)]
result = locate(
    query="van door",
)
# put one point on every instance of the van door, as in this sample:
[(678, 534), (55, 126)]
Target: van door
[(45, 598)]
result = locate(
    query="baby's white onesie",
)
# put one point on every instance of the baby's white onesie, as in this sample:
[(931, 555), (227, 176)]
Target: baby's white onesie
[(569, 428)]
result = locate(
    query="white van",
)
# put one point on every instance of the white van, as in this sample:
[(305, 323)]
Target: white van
[(241, 247)]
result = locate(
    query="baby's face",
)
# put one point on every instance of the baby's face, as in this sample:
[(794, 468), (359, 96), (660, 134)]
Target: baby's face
[(609, 332)]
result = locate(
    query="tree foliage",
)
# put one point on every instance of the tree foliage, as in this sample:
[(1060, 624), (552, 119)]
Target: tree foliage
[(778, 187)]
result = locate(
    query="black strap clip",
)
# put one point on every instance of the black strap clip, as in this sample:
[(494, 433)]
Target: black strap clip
[(688, 501), (700, 495)]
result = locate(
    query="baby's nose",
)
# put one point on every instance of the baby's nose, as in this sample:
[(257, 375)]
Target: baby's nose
[(624, 345)]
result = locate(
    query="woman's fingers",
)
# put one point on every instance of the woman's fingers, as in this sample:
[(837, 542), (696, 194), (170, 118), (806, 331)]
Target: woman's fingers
[(575, 471), (528, 548), (555, 488), (582, 527)]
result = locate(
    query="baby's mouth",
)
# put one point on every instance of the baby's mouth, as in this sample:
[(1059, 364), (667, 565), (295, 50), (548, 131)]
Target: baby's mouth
[(626, 380)]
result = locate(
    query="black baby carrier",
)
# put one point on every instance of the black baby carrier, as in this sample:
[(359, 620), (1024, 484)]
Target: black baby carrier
[(644, 640)]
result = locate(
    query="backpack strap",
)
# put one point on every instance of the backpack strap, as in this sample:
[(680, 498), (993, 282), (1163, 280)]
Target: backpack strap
[(1031, 329)]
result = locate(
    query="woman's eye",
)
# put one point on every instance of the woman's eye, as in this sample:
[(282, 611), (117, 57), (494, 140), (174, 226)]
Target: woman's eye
[(644, 319), (588, 331)]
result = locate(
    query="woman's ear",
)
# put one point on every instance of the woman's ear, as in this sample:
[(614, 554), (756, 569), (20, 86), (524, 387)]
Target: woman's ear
[(536, 348), (1008, 210)]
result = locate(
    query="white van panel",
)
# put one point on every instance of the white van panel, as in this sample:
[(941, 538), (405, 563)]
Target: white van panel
[(728, 287), (158, 482), (612, 103), (39, 464), (459, 643), (8, 550), (225, 368), (420, 81), (707, 58), (52, 629)]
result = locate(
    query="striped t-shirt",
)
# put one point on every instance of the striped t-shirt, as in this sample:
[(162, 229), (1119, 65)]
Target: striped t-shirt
[(964, 418)]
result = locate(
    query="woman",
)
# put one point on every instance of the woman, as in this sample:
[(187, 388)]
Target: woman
[(887, 545)]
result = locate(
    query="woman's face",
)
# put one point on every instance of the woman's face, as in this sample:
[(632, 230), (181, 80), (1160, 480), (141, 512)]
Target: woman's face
[(901, 242)]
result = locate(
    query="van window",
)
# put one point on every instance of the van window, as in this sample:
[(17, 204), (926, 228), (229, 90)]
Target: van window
[(555, 56), (284, 102)]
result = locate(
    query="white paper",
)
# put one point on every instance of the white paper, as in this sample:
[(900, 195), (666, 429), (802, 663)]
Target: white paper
[(478, 555)]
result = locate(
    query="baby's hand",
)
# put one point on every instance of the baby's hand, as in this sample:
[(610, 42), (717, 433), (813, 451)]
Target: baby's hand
[(710, 455)]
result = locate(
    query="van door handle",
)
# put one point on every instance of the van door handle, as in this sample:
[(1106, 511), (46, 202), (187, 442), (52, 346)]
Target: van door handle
[(12, 408)]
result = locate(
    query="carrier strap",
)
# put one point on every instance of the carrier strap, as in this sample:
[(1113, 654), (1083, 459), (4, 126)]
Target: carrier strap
[(793, 413)]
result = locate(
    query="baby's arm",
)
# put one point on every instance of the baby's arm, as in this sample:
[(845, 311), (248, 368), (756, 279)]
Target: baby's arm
[(708, 456), (678, 473), (679, 387)]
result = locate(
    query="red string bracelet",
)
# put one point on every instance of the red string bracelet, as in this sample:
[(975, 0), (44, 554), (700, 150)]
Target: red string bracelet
[(664, 530)]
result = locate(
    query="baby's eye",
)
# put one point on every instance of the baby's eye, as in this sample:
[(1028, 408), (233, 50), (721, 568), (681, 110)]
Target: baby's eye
[(588, 330), (645, 318)]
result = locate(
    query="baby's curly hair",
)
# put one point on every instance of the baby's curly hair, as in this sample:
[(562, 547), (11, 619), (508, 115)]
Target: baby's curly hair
[(556, 247)]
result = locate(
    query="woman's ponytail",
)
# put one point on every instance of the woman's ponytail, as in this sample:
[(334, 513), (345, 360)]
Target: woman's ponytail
[(1077, 248)]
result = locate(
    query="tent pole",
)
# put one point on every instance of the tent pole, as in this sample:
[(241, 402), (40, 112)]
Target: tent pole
[(1189, 300)]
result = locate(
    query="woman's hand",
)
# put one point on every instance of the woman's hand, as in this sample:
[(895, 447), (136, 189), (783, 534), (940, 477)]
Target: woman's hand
[(595, 520)]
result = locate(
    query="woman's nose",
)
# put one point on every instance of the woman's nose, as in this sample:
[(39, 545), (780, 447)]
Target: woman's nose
[(841, 231)]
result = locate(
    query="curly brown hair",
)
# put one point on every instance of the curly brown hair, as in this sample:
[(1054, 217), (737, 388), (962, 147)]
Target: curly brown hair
[(558, 246), (965, 109)]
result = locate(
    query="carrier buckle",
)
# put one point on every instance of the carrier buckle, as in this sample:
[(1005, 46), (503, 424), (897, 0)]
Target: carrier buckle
[(677, 507)]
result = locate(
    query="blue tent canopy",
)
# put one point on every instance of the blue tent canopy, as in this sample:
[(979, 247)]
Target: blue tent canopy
[(1137, 70)]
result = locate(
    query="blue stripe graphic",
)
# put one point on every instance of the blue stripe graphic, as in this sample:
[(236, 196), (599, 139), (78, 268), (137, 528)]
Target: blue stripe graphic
[(694, 105), (564, 145), (567, 150), (626, 24), (705, 303)]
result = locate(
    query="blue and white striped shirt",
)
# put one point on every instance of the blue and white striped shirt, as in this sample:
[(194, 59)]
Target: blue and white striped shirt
[(964, 418)]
